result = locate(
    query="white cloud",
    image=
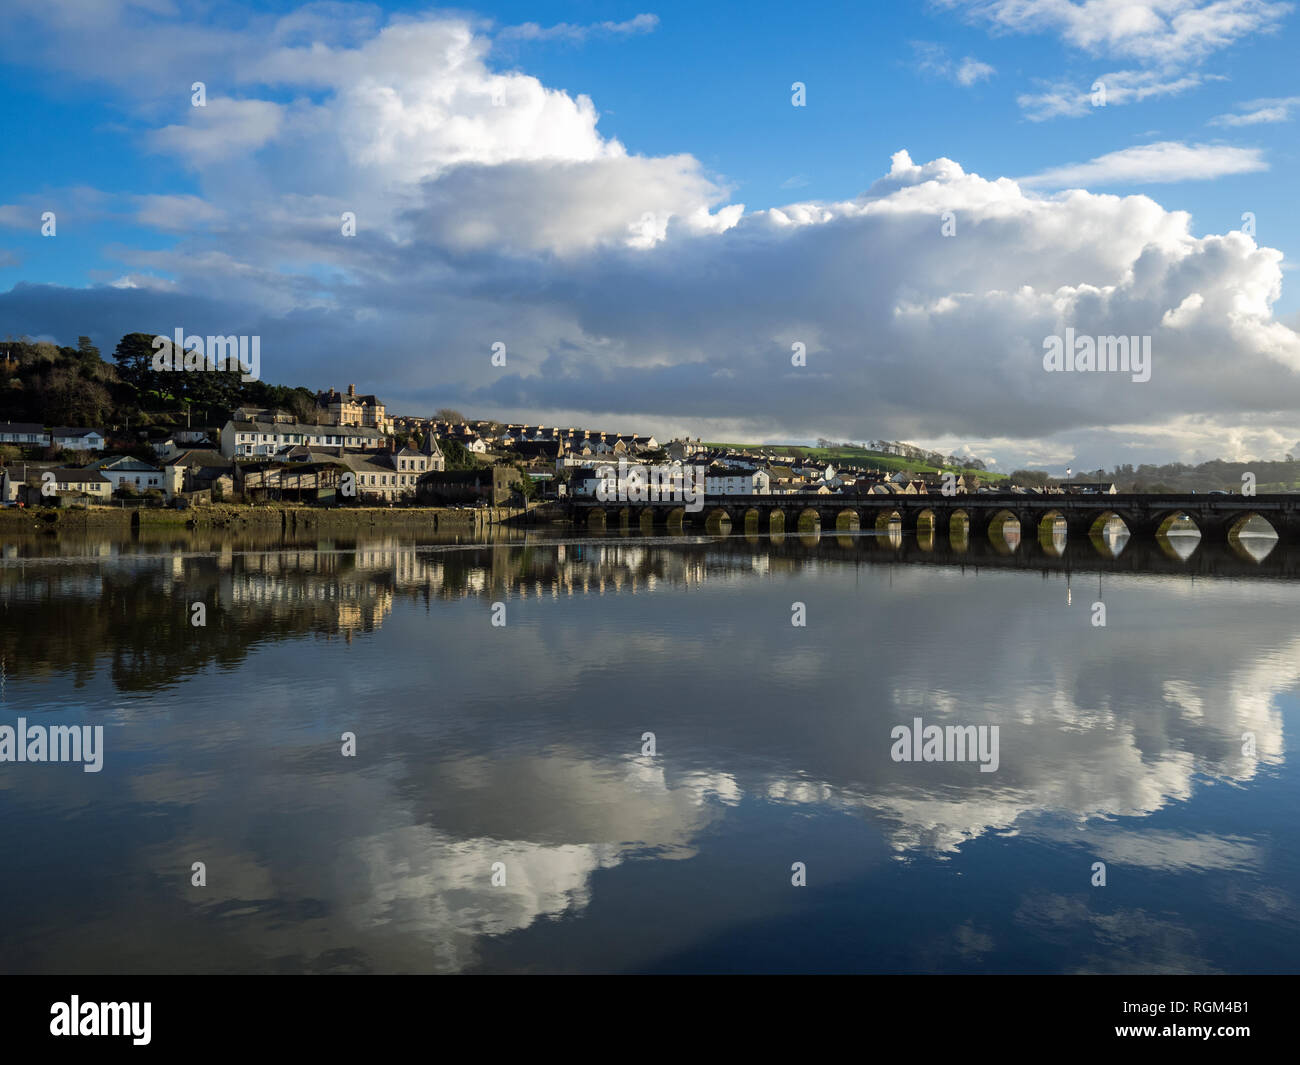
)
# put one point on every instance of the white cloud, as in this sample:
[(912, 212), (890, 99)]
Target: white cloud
[(17, 217), (1168, 39), (971, 70), (531, 31), (176, 214), (1167, 31), (219, 131), (1162, 162), (933, 59), (1115, 89), (1257, 112)]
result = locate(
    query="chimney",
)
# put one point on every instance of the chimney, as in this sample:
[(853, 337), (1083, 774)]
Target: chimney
[(352, 391)]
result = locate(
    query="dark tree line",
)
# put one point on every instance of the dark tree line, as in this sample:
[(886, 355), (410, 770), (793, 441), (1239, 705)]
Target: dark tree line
[(59, 385)]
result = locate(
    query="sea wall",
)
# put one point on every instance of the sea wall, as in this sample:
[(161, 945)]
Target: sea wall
[(268, 518)]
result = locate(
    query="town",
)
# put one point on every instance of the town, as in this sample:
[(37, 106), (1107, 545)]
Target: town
[(340, 447), (262, 455)]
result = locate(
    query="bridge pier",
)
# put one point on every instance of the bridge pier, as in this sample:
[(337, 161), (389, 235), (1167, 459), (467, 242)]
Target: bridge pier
[(910, 519), (1286, 525), (1215, 527), (978, 524), (1078, 526)]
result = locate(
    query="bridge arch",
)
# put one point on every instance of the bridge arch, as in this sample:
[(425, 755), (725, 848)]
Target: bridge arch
[(1237, 527), (1092, 524), (1257, 545), (884, 517), (848, 520), (924, 518), (1040, 525), (807, 519), (717, 520), (999, 529), (959, 524)]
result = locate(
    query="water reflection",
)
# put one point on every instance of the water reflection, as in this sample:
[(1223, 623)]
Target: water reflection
[(524, 745)]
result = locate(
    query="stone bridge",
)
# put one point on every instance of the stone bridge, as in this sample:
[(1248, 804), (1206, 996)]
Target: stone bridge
[(1216, 516)]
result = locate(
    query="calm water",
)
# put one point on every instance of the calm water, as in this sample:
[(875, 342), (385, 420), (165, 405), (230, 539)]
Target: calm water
[(522, 744)]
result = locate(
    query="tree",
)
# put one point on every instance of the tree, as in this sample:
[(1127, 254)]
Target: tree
[(449, 414), (527, 486), (457, 455), (68, 398), (1030, 478), (134, 358), (302, 407), (87, 355)]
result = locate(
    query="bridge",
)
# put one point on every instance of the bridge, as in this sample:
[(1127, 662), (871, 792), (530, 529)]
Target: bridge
[(1217, 517)]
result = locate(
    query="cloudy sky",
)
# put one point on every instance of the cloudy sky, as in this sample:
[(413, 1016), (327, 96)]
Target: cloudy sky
[(629, 200)]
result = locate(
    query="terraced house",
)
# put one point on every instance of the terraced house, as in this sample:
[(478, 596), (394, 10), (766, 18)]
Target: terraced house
[(256, 439), (387, 476)]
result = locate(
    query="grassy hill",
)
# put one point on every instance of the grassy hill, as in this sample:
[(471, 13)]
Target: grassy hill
[(858, 456)]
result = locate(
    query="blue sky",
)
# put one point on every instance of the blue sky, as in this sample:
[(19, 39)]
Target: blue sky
[(607, 245)]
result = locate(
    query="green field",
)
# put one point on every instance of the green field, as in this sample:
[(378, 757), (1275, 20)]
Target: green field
[(857, 456)]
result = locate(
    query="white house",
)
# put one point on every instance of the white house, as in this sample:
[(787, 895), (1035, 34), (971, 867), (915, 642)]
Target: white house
[(729, 481), (77, 439), (266, 439), (24, 434), (132, 473)]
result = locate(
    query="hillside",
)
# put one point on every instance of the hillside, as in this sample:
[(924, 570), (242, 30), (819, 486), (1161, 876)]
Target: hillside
[(858, 456)]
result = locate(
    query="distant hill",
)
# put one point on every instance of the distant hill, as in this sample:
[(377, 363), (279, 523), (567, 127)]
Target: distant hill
[(860, 456)]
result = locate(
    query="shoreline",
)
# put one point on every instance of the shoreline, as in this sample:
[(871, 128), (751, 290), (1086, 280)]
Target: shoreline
[(269, 518)]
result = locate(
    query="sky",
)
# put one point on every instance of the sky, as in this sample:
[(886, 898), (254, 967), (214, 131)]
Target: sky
[(750, 222)]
